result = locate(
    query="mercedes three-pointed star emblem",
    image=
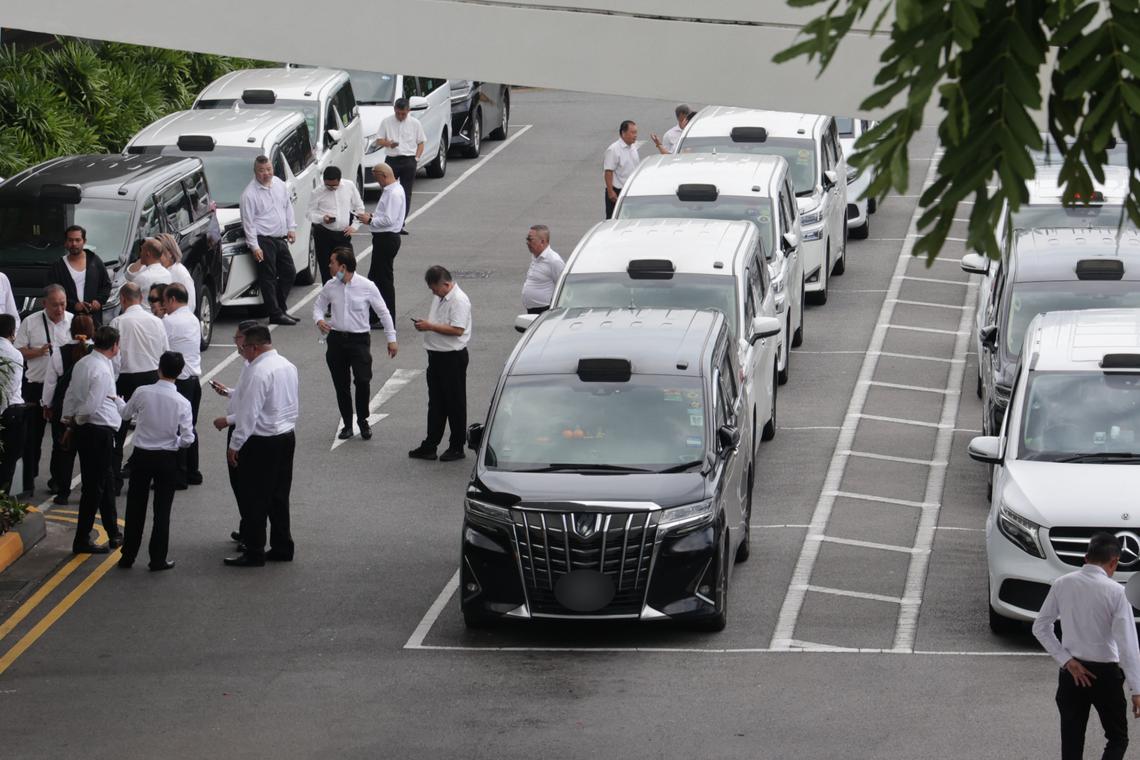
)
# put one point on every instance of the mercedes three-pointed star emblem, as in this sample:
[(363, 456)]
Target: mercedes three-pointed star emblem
[(1129, 548)]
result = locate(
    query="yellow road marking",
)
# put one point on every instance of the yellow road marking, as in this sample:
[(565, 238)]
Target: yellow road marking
[(34, 600)]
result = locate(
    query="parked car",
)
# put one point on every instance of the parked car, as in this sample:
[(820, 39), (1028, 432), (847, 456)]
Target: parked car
[(120, 201), (227, 142), (859, 209), (429, 101), (1061, 459), (475, 107), (756, 189), (810, 145), (614, 473)]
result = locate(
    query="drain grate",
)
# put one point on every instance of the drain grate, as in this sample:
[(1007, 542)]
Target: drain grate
[(473, 274)]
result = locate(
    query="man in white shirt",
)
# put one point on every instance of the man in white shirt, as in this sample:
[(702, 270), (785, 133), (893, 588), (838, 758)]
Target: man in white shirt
[(667, 143), (545, 268), (8, 299), (385, 221), (148, 270), (447, 331), (618, 163), (262, 449), (93, 414), (1100, 640), (163, 427), (405, 139), (269, 226), (142, 340), (348, 296), (37, 338), (333, 207), (12, 415), (184, 335)]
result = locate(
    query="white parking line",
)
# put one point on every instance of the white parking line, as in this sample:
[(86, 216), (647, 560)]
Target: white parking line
[(935, 280), (796, 648), (868, 544), (934, 330), (391, 387), (853, 594), (889, 458), (811, 427), (920, 357), (903, 387), (881, 499), (932, 305), (416, 640)]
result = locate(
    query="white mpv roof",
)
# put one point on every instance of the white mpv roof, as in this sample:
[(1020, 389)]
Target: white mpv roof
[(286, 83), (695, 246), (1079, 340), (720, 120), (1045, 187), (734, 174), (242, 128)]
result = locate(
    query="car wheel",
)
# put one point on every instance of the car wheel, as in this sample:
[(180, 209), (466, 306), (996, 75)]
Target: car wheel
[(798, 337), (438, 167), (819, 298), (769, 431), (500, 132), (1000, 624), (308, 275), (782, 376), (718, 620), (744, 551), (979, 388), (841, 264), (863, 231), (476, 142), (872, 206), (206, 307)]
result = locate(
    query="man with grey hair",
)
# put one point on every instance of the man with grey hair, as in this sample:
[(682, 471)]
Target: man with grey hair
[(545, 268), (667, 143), (39, 336)]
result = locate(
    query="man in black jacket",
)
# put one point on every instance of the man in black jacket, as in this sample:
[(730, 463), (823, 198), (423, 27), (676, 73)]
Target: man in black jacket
[(82, 275)]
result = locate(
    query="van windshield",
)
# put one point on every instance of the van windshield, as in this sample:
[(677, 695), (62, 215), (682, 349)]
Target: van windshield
[(755, 210), (800, 155), (650, 422), (372, 87), (33, 235), (617, 290), (1067, 414), (1028, 299)]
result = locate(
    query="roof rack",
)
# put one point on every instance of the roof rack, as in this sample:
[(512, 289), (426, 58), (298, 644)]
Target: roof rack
[(697, 192), (651, 269), (748, 134), (196, 142), (604, 370), (259, 97), (1100, 269), (1120, 361)]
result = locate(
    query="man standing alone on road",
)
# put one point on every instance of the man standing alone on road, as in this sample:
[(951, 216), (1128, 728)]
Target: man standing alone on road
[(620, 160), (184, 334), (545, 268), (447, 330), (262, 449), (385, 222), (405, 139), (348, 297), (332, 208), (82, 275), (163, 427), (1100, 639), (269, 226)]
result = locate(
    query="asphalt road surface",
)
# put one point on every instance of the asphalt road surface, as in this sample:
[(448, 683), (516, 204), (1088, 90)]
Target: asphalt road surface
[(857, 629)]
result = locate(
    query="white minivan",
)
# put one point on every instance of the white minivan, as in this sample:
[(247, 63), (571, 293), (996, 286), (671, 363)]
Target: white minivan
[(810, 145), (429, 101), (859, 209), (756, 189), (227, 142)]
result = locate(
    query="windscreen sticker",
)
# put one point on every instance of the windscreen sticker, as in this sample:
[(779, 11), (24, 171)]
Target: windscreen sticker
[(694, 405), (694, 442), (692, 395), (803, 157), (696, 420), (671, 394)]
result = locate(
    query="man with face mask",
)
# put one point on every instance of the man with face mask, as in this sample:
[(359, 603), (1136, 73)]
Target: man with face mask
[(348, 297)]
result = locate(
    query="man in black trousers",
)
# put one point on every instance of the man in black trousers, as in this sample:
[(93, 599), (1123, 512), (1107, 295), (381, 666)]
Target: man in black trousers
[(12, 405), (226, 422), (1100, 639), (163, 425), (385, 221), (333, 209)]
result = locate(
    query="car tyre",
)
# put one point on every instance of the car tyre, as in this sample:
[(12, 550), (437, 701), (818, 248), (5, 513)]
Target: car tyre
[(1001, 625), (872, 206), (476, 142), (308, 275), (769, 431), (798, 337), (819, 298), (841, 264), (863, 231), (500, 132), (717, 621), (744, 551), (438, 167), (782, 376), (206, 309), (979, 388)]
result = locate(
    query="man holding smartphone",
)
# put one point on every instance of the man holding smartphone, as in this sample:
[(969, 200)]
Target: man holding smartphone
[(404, 138), (333, 208), (385, 221)]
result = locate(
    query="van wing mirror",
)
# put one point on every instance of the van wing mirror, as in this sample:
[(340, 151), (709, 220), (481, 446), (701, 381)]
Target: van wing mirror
[(474, 436), (523, 321), (334, 135), (975, 263), (986, 449), (728, 436), (790, 241), (417, 103), (763, 327), (988, 336), (830, 179)]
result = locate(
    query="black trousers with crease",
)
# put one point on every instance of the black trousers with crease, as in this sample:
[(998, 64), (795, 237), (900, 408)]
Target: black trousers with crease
[(382, 269), (324, 240), (1106, 695), (95, 445), (349, 357), (188, 464), (161, 469), (275, 274), (265, 479), (447, 397)]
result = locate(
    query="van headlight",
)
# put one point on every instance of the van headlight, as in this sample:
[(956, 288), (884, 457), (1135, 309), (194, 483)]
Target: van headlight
[(483, 510), (686, 514), (852, 174), (813, 234), (1020, 530), (372, 146), (811, 216)]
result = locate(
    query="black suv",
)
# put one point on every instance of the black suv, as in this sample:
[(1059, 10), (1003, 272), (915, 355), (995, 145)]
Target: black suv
[(614, 474), (119, 200), (479, 110)]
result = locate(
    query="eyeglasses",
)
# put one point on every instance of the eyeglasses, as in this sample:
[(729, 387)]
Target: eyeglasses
[(155, 300)]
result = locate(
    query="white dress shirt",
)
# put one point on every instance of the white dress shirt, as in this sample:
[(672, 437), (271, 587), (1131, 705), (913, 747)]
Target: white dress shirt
[(1097, 621), (407, 133), (266, 210), (54, 373), (232, 399), (184, 335), (390, 210), (267, 401), (180, 274), (13, 363), (349, 302), (151, 274), (163, 418), (453, 309), (341, 203), (671, 137), (32, 334), (541, 277), (142, 340), (8, 299), (91, 397), (621, 159)]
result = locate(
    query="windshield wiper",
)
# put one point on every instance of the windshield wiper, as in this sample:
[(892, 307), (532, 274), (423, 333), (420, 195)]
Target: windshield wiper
[(580, 467), (1103, 456), (683, 466), (804, 193)]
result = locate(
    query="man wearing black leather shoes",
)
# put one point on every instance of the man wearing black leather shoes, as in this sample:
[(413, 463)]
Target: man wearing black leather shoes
[(347, 297), (270, 228), (262, 447), (93, 414)]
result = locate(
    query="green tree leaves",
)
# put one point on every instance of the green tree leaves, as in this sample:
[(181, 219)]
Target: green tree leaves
[(982, 59)]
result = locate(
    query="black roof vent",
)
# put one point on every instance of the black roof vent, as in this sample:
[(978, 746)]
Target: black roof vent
[(259, 97), (1120, 361), (61, 193), (1100, 269), (748, 134), (694, 192), (136, 150), (651, 269), (604, 370), (195, 142)]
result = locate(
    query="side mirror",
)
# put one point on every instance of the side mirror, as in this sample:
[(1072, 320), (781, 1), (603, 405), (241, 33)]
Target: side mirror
[(334, 135), (986, 449), (524, 321), (763, 327), (417, 103), (474, 436), (790, 241), (728, 436), (988, 335), (830, 179), (975, 263)]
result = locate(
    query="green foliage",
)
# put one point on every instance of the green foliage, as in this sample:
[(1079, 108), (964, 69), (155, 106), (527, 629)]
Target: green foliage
[(82, 97), (982, 60), (11, 512)]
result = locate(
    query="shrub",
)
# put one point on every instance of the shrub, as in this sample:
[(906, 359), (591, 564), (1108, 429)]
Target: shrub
[(11, 512)]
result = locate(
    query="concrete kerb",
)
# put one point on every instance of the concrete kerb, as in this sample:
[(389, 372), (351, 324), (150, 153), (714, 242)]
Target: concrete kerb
[(20, 539)]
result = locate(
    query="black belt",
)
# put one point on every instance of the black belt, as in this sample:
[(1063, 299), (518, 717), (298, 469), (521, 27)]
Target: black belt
[(346, 333)]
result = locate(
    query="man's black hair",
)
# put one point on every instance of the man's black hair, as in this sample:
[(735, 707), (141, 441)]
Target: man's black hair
[(625, 125), (331, 173), (1103, 548), (106, 337), (171, 364), (437, 274)]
